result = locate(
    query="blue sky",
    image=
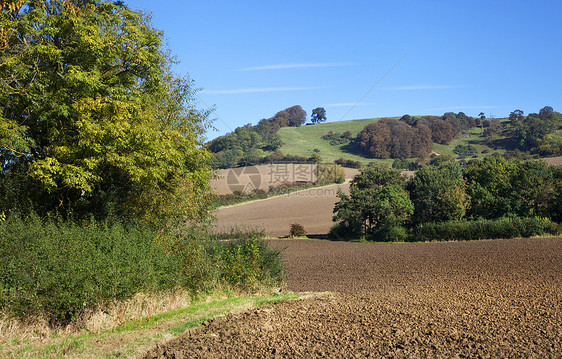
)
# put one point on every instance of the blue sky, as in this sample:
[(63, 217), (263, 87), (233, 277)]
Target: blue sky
[(363, 59)]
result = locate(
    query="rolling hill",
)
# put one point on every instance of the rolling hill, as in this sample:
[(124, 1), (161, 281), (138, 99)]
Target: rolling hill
[(307, 140)]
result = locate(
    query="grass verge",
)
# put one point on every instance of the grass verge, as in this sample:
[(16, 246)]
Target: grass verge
[(133, 337)]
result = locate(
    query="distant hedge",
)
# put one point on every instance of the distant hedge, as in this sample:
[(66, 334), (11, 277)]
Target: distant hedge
[(484, 229)]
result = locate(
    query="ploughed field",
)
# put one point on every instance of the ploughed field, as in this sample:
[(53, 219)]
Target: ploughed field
[(312, 207), (460, 299)]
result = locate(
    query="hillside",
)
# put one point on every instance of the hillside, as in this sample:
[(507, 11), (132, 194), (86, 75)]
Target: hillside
[(302, 141), (277, 139)]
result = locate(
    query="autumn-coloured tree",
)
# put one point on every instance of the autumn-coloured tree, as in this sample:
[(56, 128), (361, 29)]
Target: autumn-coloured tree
[(296, 116), (389, 138)]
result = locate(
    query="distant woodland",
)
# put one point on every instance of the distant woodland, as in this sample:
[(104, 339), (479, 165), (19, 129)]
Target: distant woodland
[(536, 134)]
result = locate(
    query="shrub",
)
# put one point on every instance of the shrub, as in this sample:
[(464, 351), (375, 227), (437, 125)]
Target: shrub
[(246, 262), (390, 234), (337, 139), (297, 230), (465, 151), (348, 163), (346, 231), (62, 270), (484, 229)]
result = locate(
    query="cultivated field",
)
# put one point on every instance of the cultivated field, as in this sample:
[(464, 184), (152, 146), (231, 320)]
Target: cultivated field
[(311, 207), (554, 161), (485, 299), (263, 177)]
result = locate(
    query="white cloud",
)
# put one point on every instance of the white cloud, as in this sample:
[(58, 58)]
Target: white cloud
[(422, 87), (294, 66), (259, 90)]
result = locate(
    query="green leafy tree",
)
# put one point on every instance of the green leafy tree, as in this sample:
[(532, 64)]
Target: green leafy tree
[(501, 187), (515, 117), (482, 117), (92, 119), (438, 193), (535, 127), (492, 131), (377, 200), (489, 185), (318, 115), (550, 145)]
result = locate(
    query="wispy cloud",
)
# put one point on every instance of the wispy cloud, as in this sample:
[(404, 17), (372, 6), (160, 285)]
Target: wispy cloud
[(294, 66), (472, 107), (422, 87), (259, 90), (347, 104)]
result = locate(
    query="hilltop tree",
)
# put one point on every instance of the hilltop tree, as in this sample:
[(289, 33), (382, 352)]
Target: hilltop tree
[(92, 119), (515, 117), (482, 117), (389, 138), (296, 116), (318, 115)]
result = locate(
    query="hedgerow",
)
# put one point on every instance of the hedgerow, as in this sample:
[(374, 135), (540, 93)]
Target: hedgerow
[(63, 270), (484, 229)]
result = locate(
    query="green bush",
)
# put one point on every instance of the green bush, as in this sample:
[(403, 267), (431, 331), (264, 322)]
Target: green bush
[(297, 230), (484, 229), (61, 270), (390, 234), (246, 262), (343, 231)]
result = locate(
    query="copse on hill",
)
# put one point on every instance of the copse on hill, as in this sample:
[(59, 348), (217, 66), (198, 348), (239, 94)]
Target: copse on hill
[(249, 144), (411, 136)]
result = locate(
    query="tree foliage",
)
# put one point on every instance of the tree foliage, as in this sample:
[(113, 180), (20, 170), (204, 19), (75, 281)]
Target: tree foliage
[(377, 201), (389, 138), (501, 187), (531, 130), (318, 115), (249, 144), (438, 193), (92, 119), (296, 116)]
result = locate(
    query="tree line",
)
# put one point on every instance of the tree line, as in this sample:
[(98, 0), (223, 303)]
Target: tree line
[(411, 136), (382, 201), (414, 136)]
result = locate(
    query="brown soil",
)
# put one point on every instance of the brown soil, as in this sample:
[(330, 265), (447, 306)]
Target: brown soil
[(312, 208), (554, 161), (247, 179), (450, 300)]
